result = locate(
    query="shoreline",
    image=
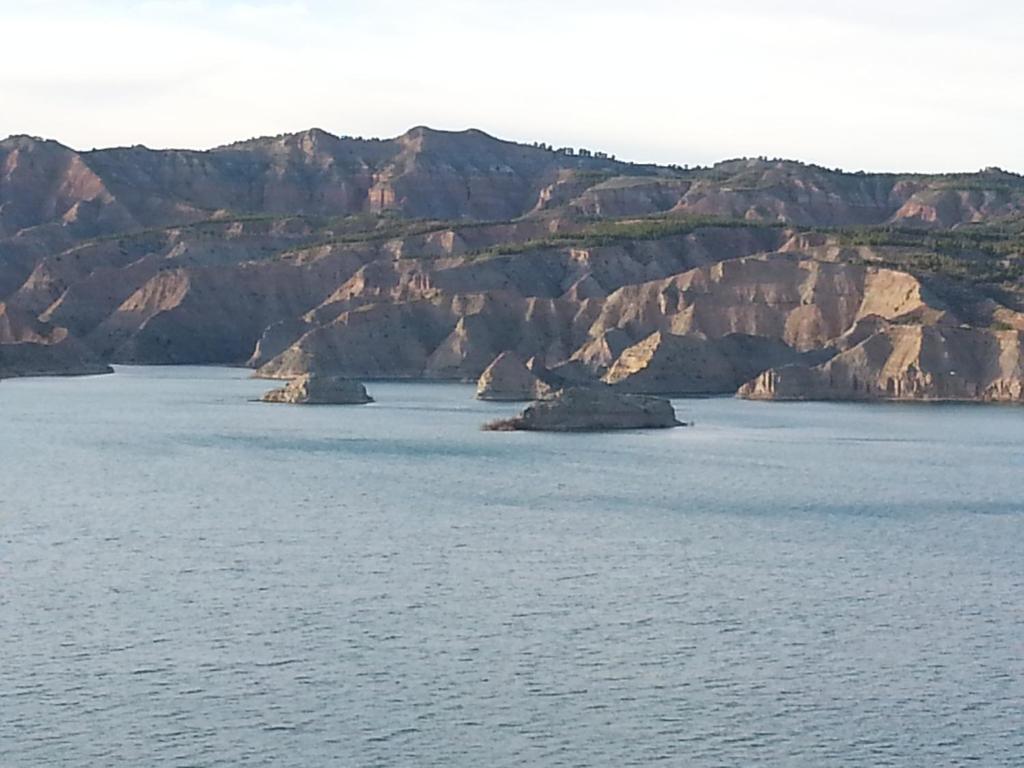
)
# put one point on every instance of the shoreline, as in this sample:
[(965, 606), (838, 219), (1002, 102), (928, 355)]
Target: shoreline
[(123, 368)]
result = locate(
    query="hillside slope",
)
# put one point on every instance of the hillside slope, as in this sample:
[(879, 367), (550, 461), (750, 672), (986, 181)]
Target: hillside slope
[(433, 253)]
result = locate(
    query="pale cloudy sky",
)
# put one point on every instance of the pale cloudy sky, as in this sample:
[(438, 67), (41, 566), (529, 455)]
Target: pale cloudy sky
[(875, 84)]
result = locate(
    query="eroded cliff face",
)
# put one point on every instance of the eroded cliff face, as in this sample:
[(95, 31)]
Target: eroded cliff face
[(511, 378), (949, 207), (907, 363), (665, 363), (19, 327), (800, 301), (212, 314), (43, 182), (705, 330), (432, 254), (447, 337)]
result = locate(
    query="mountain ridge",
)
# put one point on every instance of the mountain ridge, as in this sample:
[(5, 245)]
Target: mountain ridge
[(432, 253), (472, 131)]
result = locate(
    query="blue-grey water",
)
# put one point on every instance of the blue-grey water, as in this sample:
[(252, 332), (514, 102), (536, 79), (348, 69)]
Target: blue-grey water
[(190, 578)]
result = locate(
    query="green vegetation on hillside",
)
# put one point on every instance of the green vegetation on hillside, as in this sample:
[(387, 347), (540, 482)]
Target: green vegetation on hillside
[(980, 253), (599, 232)]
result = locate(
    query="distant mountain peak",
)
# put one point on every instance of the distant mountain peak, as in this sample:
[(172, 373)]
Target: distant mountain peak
[(24, 141)]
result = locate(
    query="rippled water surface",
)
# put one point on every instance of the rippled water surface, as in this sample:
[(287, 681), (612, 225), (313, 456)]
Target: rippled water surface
[(190, 578)]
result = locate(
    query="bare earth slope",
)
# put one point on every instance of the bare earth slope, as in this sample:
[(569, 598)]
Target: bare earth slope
[(908, 363)]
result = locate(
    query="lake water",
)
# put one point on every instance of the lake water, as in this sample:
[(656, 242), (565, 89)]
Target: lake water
[(190, 578)]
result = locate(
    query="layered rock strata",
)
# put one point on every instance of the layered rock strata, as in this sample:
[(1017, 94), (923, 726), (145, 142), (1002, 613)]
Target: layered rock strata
[(922, 363)]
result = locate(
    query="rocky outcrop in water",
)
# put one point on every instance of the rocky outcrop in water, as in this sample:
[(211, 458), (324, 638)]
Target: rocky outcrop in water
[(591, 409), (318, 389)]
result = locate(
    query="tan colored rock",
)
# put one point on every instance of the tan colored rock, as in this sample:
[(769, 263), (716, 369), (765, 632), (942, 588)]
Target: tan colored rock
[(591, 409), (374, 341), (509, 378), (949, 207), (908, 363), (17, 326), (802, 302), (664, 363), (445, 337), (598, 353), (316, 389), (469, 346)]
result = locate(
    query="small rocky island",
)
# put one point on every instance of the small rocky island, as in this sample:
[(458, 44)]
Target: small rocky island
[(319, 389), (591, 409)]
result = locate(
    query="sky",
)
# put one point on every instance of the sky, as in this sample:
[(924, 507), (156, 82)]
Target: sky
[(901, 85)]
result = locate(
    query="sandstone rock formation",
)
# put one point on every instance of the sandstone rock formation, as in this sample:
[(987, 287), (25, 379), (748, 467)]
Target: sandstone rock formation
[(788, 302), (907, 363), (665, 363), (800, 301), (591, 409), (318, 389), (430, 254), (509, 378)]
